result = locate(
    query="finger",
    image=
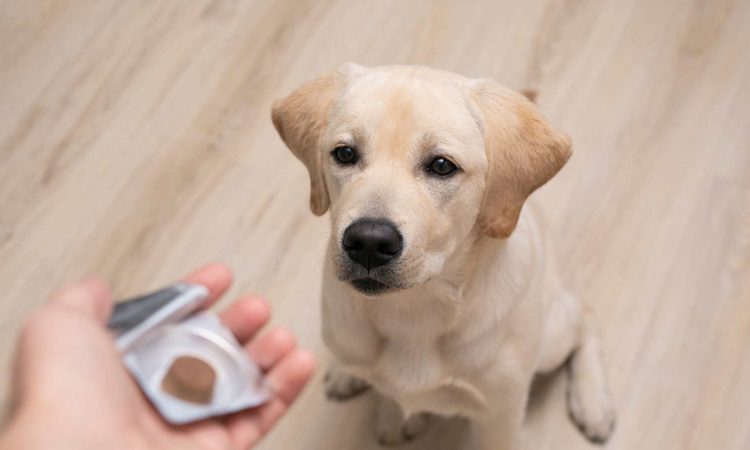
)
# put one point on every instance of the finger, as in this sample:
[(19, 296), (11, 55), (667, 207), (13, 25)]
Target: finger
[(246, 316), (289, 376), (272, 347), (215, 277), (91, 297), (286, 380)]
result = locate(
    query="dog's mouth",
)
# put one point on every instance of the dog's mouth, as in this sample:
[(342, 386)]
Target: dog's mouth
[(369, 286)]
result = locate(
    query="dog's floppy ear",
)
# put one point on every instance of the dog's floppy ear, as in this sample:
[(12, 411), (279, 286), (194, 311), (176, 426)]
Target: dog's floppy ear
[(530, 94), (302, 117), (523, 153)]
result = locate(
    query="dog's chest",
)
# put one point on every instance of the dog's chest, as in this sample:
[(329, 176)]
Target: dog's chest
[(410, 358), (406, 356), (415, 368)]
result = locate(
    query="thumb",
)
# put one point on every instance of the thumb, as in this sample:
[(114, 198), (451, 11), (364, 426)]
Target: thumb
[(89, 297)]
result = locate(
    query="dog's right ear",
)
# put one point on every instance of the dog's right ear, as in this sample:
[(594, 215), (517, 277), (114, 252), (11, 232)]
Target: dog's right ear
[(302, 117)]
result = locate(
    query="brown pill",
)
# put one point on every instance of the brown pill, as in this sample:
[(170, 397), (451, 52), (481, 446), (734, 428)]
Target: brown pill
[(190, 379)]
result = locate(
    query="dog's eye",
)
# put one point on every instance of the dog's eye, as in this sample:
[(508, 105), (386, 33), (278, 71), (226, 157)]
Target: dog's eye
[(442, 167), (345, 155)]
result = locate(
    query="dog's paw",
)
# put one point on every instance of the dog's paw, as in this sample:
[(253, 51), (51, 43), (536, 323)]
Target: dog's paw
[(592, 411), (395, 432), (341, 386)]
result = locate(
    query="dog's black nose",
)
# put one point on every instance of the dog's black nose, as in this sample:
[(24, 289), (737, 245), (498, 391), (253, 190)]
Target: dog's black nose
[(372, 243)]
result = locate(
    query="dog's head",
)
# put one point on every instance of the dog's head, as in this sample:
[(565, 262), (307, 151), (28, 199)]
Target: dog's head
[(411, 161)]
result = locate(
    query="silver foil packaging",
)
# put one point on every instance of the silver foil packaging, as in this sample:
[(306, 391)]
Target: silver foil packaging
[(188, 363)]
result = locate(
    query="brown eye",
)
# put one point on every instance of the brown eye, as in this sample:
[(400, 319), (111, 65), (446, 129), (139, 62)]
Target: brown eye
[(345, 155), (442, 167)]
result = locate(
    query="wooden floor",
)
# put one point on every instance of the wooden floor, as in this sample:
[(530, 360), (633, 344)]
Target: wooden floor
[(136, 143)]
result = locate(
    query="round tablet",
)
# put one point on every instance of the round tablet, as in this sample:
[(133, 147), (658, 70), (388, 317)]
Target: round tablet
[(190, 379)]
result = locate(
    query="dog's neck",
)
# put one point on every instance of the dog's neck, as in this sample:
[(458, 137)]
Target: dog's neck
[(478, 254), (465, 278)]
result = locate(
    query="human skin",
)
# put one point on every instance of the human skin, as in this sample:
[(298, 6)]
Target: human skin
[(71, 390)]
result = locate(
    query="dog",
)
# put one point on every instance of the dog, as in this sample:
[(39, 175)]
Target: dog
[(439, 289)]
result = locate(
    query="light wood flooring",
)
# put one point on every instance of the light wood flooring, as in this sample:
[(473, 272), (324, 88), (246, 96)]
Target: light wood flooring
[(136, 143)]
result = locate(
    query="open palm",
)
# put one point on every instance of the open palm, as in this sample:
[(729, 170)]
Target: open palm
[(70, 381)]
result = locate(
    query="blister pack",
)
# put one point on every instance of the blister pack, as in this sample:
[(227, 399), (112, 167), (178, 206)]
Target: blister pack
[(189, 365)]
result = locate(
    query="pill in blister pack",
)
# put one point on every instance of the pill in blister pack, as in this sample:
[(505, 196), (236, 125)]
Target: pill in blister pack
[(188, 363)]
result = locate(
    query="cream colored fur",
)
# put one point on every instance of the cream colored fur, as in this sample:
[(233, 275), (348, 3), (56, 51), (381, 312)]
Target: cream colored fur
[(476, 307)]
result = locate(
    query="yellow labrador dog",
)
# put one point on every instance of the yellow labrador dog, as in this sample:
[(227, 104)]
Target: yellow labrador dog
[(439, 291)]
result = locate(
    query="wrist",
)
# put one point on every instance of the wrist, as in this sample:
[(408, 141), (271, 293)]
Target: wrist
[(39, 425), (11, 436), (34, 432)]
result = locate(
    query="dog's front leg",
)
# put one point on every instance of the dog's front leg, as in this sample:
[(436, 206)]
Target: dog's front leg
[(391, 425), (501, 429), (341, 386)]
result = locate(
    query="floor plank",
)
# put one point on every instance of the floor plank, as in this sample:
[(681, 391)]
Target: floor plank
[(135, 143)]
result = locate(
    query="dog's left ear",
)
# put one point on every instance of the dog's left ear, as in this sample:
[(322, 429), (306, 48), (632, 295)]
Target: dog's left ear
[(523, 153), (301, 119)]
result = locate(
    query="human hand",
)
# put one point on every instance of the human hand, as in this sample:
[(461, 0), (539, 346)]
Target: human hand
[(73, 392)]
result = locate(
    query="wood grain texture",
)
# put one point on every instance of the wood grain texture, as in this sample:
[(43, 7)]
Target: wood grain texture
[(136, 143)]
